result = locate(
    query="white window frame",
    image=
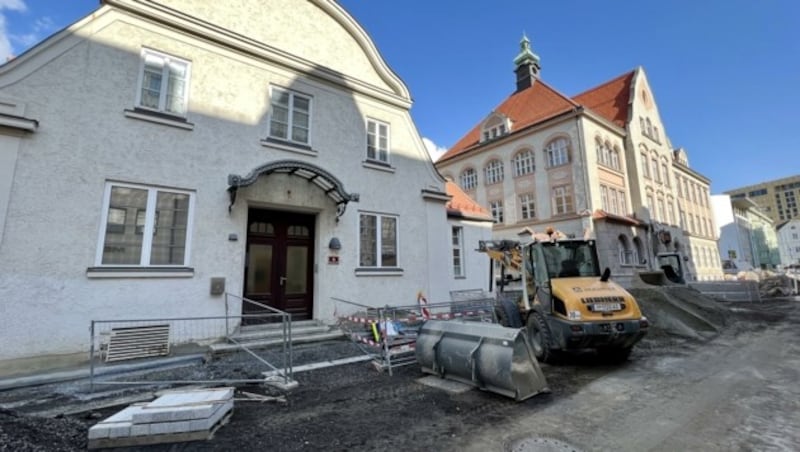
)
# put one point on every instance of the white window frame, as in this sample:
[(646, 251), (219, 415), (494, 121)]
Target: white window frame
[(562, 200), (468, 179), (149, 225), (494, 172), (378, 241), (557, 152), (615, 158), (524, 163), (290, 116), (613, 200), (527, 206), (496, 208), (645, 162), (459, 271), (604, 198), (165, 61), (378, 151)]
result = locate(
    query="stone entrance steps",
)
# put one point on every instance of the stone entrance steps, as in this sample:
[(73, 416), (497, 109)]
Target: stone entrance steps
[(255, 336)]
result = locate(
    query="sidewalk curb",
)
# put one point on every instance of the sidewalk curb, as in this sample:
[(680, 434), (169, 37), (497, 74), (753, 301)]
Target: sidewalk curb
[(78, 374)]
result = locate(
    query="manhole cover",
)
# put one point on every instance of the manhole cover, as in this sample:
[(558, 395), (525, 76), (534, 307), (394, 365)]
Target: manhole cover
[(535, 444)]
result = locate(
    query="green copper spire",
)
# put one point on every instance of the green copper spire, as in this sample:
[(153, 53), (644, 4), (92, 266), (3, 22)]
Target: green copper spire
[(526, 55), (527, 65)]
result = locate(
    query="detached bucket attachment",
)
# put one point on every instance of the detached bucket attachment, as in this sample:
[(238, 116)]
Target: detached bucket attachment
[(486, 355)]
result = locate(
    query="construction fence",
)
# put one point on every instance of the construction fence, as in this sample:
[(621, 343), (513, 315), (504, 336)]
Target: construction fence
[(388, 334), (148, 351)]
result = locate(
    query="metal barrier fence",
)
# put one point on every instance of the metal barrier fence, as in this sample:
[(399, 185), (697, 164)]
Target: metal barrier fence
[(388, 334), (122, 344)]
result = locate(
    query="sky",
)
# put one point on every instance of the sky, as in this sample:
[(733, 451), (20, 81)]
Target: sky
[(725, 74)]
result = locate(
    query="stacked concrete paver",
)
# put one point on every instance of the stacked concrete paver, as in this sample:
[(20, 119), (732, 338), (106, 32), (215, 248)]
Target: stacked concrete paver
[(174, 417)]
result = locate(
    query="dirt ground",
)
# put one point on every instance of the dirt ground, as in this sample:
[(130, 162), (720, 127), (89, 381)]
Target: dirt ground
[(735, 390)]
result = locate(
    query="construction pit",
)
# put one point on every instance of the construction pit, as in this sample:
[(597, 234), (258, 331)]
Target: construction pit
[(708, 376)]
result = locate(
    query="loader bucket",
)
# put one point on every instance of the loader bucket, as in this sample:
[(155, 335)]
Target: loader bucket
[(486, 355)]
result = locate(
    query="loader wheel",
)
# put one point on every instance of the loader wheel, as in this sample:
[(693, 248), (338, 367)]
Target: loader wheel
[(540, 336), (616, 355), (508, 314)]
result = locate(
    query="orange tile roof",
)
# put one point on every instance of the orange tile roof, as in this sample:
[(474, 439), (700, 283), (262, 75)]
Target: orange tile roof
[(523, 108), (540, 102), (461, 205), (610, 99)]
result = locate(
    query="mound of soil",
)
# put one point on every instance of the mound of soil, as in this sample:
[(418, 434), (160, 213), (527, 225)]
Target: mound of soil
[(681, 311)]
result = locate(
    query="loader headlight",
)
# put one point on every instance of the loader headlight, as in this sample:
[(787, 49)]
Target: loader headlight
[(574, 315)]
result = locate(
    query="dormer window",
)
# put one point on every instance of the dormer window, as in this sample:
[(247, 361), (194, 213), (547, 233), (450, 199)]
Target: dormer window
[(495, 126)]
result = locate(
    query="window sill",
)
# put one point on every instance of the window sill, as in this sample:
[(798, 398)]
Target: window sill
[(139, 272), (379, 271), (288, 146), (378, 165), (460, 277), (159, 118)]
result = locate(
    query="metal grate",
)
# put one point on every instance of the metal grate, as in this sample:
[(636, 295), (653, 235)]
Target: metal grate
[(137, 342)]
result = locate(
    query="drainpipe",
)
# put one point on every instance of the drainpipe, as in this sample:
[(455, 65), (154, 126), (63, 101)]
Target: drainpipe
[(579, 110)]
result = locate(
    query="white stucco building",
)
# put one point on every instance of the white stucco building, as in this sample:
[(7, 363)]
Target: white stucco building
[(156, 146), (789, 242), (597, 163), (747, 238)]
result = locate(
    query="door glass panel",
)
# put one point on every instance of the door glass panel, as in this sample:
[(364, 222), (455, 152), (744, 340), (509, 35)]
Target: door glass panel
[(296, 269), (259, 269)]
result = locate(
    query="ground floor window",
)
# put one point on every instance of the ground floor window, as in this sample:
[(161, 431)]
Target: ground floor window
[(145, 226), (458, 251), (377, 240)]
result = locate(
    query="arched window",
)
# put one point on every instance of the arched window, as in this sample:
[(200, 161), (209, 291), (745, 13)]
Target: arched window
[(615, 158), (645, 165), (656, 174), (524, 163), (625, 251), (494, 172), (469, 179), (649, 127), (655, 133), (637, 251), (557, 152)]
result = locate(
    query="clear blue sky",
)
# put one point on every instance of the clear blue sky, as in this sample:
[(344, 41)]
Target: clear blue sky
[(725, 73)]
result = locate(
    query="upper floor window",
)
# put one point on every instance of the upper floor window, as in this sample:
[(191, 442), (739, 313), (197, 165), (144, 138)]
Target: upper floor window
[(655, 133), (527, 205), (557, 152), (649, 127), (645, 165), (562, 200), (604, 198), (495, 126), (290, 117), (523, 163), (163, 83), (665, 173), (377, 241), (615, 158), (496, 208), (377, 141), (145, 226), (656, 174), (494, 172), (614, 204), (469, 179)]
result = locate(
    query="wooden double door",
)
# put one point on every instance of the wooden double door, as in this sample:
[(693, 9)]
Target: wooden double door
[(279, 265)]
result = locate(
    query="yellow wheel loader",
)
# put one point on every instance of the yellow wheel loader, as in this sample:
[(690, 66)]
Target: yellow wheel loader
[(565, 302)]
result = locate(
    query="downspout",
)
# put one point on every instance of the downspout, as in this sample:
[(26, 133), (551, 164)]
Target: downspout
[(585, 162)]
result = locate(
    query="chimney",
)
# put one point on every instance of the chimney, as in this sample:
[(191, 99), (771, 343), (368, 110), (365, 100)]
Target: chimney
[(527, 64)]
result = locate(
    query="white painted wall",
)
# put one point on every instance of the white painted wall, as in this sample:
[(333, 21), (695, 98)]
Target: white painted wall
[(78, 85)]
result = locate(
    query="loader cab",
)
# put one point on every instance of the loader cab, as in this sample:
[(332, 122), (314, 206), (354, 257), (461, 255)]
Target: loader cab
[(563, 259)]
